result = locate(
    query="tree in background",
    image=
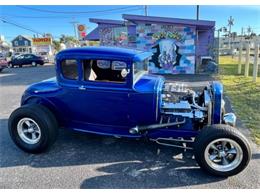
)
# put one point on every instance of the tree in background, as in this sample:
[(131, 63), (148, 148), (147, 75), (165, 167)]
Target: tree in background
[(56, 45)]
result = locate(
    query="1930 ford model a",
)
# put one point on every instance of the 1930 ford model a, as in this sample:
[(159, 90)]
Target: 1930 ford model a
[(108, 91)]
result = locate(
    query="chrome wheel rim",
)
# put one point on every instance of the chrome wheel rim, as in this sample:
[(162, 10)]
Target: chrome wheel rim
[(29, 131), (33, 63), (223, 154)]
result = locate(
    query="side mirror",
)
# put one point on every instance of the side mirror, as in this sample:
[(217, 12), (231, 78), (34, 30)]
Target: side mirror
[(125, 72)]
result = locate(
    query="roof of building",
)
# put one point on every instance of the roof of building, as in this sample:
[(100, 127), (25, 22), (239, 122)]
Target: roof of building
[(156, 19), (93, 35), (106, 21), (24, 36), (132, 19), (113, 52)]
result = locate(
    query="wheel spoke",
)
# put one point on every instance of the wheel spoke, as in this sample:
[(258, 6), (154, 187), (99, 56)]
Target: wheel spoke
[(33, 135), (36, 130), (225, 161), (213, 157), (27, 123), (213, 147), (232, 151), (224, 143)]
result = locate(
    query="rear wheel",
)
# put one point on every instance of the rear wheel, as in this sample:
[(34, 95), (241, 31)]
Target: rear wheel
[(222, 150), (34, 64), (33, 128)]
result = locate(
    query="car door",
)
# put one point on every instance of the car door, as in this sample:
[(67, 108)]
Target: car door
[(95, 102), (27, 59), (18, 60)]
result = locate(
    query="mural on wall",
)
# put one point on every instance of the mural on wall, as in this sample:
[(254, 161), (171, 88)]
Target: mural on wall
[(113, 36), (173, 47)]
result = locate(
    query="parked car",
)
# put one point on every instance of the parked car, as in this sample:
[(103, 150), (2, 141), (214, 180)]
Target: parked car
[(26, 59), (45, 56), (108, 91), (3, 63)]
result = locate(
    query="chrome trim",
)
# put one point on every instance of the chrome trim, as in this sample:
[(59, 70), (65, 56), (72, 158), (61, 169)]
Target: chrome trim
[(223, 154), (29, 131), (230, 119), (181, 140)]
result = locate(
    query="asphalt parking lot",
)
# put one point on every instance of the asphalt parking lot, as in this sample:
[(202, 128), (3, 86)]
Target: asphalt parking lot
[(80, 160)]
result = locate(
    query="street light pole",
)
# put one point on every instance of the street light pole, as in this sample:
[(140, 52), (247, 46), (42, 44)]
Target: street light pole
[(217, 59), (74, 23), (198, 12), (145, 10)]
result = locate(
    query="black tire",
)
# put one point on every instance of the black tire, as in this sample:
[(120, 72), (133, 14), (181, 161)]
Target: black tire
[(1, 70), (214, 132), (45, 120), (34, 63), (20, 66)]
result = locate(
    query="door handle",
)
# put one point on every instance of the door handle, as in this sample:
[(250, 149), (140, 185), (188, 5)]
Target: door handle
[(82, 87)]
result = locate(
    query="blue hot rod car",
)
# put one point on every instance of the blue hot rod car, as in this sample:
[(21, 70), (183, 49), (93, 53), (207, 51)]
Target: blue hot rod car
[(108, 91)]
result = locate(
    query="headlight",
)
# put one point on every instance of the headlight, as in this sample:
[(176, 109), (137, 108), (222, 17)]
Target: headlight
[(230, 119)]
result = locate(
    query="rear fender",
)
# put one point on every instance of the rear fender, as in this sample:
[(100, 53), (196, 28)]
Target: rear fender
[(44, 102)]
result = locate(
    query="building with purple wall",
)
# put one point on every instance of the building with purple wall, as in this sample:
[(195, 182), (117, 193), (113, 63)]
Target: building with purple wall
[(177, 44)]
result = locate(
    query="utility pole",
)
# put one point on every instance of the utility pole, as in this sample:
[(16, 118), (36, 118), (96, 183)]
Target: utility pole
[(74, 23), (198, 12), (145, 10), (249, 30)]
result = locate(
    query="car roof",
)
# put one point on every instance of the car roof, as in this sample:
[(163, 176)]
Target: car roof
[(135, 55)]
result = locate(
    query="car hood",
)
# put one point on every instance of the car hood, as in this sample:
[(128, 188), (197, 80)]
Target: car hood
[(149, 83), (44, 86)]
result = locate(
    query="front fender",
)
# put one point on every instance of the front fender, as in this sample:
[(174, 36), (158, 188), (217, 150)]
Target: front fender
[(217, 91)]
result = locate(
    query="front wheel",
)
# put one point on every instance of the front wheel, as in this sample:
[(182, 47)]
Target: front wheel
[(10, 65), (222, 150), (33, 128)]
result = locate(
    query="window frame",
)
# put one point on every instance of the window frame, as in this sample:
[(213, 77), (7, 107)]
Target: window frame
[(103, 85), (61, 70), (99, 81)]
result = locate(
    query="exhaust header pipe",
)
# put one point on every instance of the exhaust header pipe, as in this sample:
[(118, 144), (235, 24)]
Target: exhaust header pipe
[(139, 129)]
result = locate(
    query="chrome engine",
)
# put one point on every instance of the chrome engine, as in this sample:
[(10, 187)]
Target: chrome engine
[(180, 102)]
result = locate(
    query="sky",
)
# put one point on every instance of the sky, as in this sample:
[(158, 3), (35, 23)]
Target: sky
[(58, 20)]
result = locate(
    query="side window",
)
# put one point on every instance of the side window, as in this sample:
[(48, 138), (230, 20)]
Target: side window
[(27, 56), (69, 69), (104, 70)]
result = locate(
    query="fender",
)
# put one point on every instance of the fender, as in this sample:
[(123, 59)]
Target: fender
[(44, 102)]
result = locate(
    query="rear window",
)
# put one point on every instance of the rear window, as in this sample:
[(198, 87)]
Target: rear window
[(69, 69)]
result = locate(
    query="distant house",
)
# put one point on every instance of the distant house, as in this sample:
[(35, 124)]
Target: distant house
[(22, 44)]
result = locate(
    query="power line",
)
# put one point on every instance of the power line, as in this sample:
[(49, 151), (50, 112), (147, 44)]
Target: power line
[(75, 12), (61, 17), (19, 25)]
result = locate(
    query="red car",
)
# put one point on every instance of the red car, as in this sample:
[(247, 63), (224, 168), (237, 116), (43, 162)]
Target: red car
[(3, 64)]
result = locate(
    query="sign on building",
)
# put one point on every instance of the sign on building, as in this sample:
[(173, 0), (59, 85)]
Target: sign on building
[(42, 41), (81, 32)]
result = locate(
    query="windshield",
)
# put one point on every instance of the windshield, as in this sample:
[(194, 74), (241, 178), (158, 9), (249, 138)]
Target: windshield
[(140, 68)]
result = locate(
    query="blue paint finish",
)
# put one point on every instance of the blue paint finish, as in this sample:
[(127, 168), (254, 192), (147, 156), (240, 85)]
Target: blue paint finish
[(109, 108), (217, 88)]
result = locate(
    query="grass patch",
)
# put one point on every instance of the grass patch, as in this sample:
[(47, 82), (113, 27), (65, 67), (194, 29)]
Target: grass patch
[(243, 92)]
